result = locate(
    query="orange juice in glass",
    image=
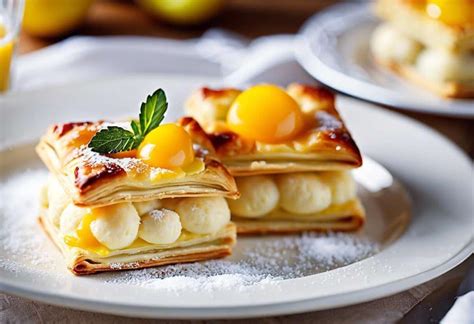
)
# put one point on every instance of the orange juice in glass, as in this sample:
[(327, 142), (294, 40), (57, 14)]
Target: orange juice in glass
[(11, 13)]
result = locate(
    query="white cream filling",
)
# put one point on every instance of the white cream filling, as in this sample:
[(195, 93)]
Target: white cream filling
[(258, 196), (203, 215), (342, 185), (160, 226), (390, 45), (440, 65), (303, 193), (57, 199), (298, 193), (118, 226), (113, 226), (71, 218)]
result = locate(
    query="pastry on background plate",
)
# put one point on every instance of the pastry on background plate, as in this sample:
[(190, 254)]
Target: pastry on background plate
[(135, 195), (290, 153), (428, 42)]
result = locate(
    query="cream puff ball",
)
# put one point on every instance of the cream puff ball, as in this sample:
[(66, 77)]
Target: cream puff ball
[(303, 193), (71, 217), (160, 226), (204, 215), (258, 196), (57, 200), (343, 186), (388, 44), (440, 65), (144, 207), (115, 226)]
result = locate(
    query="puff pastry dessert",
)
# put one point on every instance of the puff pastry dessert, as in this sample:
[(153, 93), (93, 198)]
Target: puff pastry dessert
[(121, 211), (428, 42), (290, 153)]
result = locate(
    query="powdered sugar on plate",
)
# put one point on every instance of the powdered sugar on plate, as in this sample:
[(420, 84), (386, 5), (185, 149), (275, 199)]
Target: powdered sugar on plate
[(258, 261), (20, 235)]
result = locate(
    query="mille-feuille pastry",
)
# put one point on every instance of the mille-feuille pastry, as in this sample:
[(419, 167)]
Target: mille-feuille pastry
[(428, 42), (129, 196), (290, 153)]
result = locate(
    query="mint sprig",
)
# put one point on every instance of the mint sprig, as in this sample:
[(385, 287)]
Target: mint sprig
[(114, 139)]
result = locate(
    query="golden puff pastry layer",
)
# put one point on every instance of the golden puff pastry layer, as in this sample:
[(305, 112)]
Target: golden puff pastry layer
[(295, 202), (411, 19), (325, 143), (92, 179)]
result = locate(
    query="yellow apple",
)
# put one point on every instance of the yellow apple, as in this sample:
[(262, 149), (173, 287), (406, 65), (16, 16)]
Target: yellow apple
[(183, 12), (52, 18)]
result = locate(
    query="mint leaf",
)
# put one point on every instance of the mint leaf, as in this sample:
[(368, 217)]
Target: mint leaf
[(113, 139), (152, 112), (135, 127)]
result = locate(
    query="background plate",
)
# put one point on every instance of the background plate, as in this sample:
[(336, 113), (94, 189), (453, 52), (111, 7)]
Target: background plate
[(334, 48), (437, 175)]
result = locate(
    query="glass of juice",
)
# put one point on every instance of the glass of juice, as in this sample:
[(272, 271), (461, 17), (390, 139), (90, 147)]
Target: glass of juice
[(11, 13)]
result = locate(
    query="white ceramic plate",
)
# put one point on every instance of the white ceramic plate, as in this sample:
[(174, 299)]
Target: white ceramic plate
[(437, 175), (334, 48)]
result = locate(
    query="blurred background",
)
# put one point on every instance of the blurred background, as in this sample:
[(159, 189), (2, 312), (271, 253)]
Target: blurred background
[(48, 21)]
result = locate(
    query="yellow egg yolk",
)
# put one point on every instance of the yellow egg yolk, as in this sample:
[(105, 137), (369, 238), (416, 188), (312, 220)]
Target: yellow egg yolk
[(168, 146), (265, 113), (455, 12), (84, 238)]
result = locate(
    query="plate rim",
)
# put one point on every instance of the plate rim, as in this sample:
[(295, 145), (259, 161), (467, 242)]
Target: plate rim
[(280, 308), (354, 87)]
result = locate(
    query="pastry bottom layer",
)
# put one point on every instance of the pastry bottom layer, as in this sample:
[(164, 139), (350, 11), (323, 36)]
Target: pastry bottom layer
[(448, 89), (82, 262), (350, 218)]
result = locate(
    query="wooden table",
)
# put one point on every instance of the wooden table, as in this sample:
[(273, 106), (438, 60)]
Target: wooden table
[(250, 18)]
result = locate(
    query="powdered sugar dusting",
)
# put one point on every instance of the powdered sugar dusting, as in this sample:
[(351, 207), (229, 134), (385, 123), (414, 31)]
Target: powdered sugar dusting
[(157, 214), (234, 282), (128, 164), (95, 159), (327, 121), (21, 235), (265, 262)]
